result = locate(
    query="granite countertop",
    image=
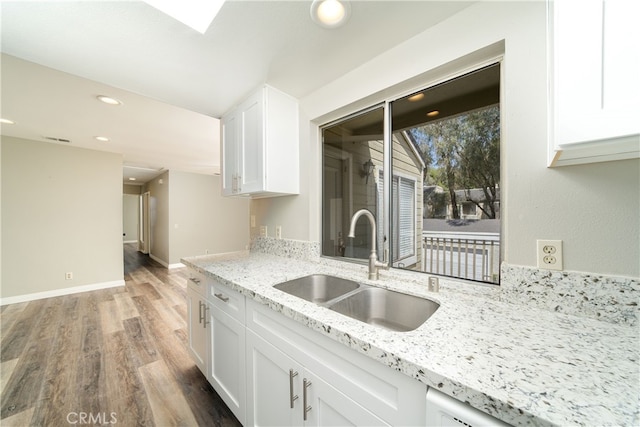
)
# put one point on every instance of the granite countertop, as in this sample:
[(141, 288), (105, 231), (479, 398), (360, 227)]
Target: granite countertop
[(523, 365)]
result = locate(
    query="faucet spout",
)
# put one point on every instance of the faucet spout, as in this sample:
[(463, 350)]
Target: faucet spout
[(374, 264)]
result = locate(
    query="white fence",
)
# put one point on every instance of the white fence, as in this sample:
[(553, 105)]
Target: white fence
[(474, 256)]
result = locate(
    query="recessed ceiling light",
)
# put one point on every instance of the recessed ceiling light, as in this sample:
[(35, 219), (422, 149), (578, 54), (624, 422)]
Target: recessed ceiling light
[(433, 113), (109, 100), (132, 179), (416, 97), (102, 138), (330, 13), (7, 122)]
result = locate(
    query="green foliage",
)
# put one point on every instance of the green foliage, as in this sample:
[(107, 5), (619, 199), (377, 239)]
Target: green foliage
[(463, 153)]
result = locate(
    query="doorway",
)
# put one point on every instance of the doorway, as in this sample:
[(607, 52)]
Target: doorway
[(144, 239)]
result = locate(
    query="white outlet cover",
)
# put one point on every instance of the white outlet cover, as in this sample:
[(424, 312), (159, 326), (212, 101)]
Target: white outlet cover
[(549, 254)]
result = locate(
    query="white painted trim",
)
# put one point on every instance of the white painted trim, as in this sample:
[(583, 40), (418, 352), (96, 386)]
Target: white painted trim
[(61, 292), (158, 260), (165, 264), (129, 241)]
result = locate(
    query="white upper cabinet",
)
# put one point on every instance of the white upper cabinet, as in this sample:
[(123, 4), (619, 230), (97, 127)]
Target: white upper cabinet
[(595, 81), (260, 156)]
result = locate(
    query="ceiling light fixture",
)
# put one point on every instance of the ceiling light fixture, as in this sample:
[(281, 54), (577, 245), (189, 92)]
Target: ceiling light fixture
[(7, 122), (109, 100), (102, 138), (433, 113), (416, 97), (132, 179), (330, 13)]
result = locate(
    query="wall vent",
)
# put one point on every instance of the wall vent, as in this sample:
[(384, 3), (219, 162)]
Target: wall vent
[(52, 138)]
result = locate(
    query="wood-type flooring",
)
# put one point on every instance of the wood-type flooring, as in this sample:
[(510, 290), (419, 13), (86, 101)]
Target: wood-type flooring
[(109, 357)]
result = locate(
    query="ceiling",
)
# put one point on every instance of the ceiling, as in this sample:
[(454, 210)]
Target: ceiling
[(173, 81)]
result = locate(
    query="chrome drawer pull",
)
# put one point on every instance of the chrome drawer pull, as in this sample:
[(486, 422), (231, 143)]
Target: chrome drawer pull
[(292, 398), (222, 297), (305, 384), (206, 322), (200, 316), (194, 280)]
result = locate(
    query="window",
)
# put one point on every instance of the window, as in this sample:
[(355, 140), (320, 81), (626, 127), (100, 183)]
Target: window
[(404, 218), (439, 213)]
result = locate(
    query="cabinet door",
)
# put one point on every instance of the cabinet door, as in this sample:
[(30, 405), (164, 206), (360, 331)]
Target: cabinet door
[(230, 141), (251, 147), (197, 332), (596, 62), (326, 406), (271, 385), (227, 359)]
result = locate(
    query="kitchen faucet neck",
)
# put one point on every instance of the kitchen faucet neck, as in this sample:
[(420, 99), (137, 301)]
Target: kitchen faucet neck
[(374, 264)]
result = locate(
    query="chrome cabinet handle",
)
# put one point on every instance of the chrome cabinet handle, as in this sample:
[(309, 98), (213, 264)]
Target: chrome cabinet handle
[(222, 297), (194, 280), (206, 322), (292, 398), (305, 384), (200, 315)]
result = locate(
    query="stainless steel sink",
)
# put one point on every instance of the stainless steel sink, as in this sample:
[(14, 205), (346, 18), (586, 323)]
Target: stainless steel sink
[(387, 309), (318, 288)]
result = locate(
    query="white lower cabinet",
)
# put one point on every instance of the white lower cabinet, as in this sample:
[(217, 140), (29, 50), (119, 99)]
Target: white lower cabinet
[(288, 364), (226, 356), (273, 390), (197, 332), (284, 393), (326, 406)]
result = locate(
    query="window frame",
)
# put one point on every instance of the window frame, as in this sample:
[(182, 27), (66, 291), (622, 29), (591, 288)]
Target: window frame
[(384, 100)]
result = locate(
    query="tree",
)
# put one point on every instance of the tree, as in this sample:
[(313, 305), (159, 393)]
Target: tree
[(479, 153), (464, 150)]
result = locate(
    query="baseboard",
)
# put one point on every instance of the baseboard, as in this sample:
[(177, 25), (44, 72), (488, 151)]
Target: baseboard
[(60, 292), (158, 260), (165, 264)]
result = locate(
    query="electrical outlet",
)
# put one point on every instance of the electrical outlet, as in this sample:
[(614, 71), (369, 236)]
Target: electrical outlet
[(68, 276), (278, 232), (550, 254), (434, 285), (263, 231)]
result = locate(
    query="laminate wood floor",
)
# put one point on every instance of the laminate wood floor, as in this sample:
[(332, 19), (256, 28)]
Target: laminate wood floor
[(114, 356)]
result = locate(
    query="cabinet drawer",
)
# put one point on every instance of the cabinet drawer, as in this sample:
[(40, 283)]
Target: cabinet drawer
[(226, 300), (197, 282)]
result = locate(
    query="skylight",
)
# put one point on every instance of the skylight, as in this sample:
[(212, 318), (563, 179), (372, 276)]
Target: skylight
[(197, 14)]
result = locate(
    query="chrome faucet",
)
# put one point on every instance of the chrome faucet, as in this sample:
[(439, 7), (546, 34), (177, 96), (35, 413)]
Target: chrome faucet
[(374, 264)]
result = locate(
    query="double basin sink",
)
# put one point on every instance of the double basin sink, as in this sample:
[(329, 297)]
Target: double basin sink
[(376, 306)]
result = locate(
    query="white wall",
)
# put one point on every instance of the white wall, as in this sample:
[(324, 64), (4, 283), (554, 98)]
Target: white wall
[(201, 220), (594, 209), (61, 212), (159, 216)]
